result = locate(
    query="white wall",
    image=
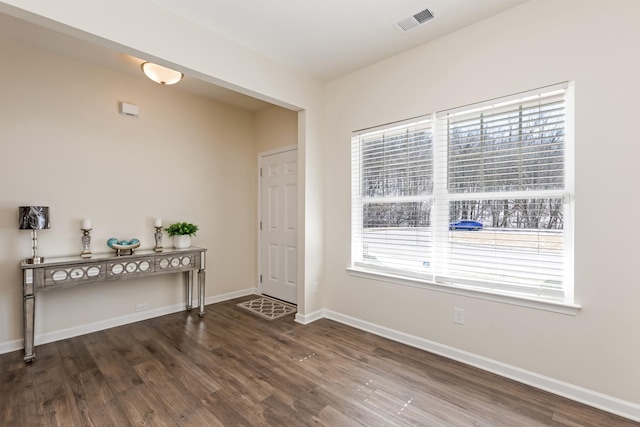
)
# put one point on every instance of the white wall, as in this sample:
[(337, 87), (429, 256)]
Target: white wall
[(64, 145), (275, 128), (538, 43)]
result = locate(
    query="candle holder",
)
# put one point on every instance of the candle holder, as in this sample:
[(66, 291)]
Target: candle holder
[(86, 243), (158, 236)]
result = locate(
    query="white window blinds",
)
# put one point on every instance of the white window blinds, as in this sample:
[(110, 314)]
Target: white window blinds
[(392, 196), (517, 146), (482, 198)]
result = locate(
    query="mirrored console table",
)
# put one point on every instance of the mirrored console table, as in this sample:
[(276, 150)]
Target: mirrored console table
[(57, 273)]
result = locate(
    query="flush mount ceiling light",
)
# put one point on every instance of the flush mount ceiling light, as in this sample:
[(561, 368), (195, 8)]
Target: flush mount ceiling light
[(160, 74)]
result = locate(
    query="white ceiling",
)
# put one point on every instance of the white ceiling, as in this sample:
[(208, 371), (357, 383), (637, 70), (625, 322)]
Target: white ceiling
[(329, 38), (45, 39), (325, 39)]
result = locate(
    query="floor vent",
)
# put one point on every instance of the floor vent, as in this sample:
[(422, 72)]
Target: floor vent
[(415, 20)]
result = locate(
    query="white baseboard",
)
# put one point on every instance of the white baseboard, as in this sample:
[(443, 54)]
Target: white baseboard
[(9, 346), (75, 331), (305, 319), (230, 295), (592, 398)]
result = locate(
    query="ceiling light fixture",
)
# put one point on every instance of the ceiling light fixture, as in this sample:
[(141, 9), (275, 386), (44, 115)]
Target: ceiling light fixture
[(160, 74)]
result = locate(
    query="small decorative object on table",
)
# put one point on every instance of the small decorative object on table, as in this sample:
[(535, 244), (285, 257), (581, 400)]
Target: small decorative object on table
[(123, 245), (181, 233), (86, 238), (158, 235)]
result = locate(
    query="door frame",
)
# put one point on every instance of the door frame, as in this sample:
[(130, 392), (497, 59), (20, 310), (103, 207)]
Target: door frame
[(261, 156)]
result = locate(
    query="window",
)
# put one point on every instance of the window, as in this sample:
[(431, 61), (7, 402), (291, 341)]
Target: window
[(478, 197)]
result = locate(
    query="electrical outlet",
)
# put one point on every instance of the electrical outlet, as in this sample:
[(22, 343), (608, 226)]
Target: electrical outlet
[(142, 306), (314, 287), (458, 315)]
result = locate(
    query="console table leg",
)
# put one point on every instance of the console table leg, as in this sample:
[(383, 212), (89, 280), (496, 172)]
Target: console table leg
[(201, 292), (29, 312), (188, 280)]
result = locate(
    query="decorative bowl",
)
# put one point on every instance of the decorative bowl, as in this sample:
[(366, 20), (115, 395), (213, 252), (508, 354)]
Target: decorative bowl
[(123, 245)]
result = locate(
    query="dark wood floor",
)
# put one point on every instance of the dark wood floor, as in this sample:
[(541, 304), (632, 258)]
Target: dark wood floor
[(232, 368)]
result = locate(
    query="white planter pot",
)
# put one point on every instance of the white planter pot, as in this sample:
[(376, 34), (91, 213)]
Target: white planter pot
[(181, 242)]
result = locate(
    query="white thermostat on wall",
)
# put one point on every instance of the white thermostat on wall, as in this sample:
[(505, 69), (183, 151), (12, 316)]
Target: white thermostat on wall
[(129, 109)]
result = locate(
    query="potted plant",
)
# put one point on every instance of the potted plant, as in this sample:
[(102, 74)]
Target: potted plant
[(181, 233)]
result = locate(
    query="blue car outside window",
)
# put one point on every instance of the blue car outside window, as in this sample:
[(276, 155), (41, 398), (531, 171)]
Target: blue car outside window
[(465, 224)]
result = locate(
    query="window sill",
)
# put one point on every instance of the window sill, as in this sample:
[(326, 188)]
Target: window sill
[(505, 298)]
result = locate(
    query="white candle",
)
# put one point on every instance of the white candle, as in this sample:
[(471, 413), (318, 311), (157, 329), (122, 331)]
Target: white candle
[(157, 222), (86, 224)]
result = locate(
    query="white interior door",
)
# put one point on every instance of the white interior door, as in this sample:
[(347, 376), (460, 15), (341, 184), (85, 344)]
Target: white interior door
[(278, 233)]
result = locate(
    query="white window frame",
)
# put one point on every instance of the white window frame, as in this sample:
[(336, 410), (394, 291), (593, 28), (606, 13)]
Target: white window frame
[(561, 303)]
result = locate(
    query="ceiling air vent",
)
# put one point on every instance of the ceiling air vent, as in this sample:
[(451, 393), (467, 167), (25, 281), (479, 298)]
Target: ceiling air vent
[(414, 20)]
